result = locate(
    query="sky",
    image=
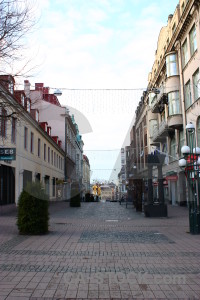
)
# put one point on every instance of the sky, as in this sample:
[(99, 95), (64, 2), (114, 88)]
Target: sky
[(94, 50)]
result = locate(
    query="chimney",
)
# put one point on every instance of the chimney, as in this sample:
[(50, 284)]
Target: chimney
[(27, 88), (170, 18), (39, 86)]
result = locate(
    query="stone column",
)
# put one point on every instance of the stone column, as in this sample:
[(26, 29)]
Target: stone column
[(150, 186), (160, 185)]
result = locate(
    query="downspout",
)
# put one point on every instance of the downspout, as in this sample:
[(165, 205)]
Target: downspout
[(182, 87)]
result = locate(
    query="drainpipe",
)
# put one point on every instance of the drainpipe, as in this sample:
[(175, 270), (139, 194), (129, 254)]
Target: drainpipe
[(182, 93), (182, 86)]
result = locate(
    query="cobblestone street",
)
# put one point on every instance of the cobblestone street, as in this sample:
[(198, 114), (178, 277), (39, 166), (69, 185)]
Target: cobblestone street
[(101, 251)]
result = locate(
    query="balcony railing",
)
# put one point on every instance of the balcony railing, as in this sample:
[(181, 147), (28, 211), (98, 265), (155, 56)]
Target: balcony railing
[(157, 105), (161, 132)]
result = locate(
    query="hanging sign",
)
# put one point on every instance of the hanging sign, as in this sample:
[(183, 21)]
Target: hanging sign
[(7, 153)]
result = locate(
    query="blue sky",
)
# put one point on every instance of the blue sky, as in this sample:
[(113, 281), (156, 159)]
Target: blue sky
[(98, 44)]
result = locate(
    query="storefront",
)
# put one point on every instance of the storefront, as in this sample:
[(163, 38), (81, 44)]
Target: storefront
[(7, 185), (172, 179)]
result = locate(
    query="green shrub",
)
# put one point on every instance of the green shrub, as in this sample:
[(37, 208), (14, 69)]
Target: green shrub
[(75, 200), (33, 216)]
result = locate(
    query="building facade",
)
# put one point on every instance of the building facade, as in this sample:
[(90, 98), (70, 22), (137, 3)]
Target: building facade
[(122, 175), (62, 125), (171, 100), (38, 155)]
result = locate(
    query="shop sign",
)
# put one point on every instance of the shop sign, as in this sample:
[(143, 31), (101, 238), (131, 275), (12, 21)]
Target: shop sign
[(7, 153), (172, 178)]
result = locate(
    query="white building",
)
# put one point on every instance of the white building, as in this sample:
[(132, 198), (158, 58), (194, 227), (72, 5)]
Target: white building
[(63, 126), (38, 156)]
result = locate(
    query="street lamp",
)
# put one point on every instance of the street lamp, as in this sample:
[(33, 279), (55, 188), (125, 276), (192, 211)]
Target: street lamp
[(191, 165)]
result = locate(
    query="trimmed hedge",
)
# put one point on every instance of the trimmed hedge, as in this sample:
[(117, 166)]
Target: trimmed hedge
[(75, 200), (33, 216)]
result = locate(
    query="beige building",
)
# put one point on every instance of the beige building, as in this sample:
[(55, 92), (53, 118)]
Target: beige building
[(63, 128), (38, 155), (171, 100)]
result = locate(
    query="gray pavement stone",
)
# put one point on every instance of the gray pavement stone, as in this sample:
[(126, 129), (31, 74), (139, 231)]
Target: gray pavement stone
[(88, 255)]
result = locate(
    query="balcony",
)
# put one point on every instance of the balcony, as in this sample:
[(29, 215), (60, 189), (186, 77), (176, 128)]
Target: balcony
[(160, 133), (175, 121), (159, 101)]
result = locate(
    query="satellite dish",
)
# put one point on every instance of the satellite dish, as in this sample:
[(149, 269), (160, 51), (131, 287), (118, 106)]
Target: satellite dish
[(57, 92)]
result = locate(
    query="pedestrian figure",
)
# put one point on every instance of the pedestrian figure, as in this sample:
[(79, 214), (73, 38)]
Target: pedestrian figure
[(121, 200)]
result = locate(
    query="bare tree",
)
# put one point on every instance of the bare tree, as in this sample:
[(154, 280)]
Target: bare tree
[(16, 20)]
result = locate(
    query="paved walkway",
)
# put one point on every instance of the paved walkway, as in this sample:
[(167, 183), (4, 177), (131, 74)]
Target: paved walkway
[(101, 251)]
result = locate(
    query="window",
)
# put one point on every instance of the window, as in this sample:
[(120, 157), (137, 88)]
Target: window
[(184, 53), (152, 99), (52, 157), (11, 87), (25, 138), (171, 63), (32, 143), (153, 126), (57, 161), (173, 149), (181, 141), (167, 41), (183, 7), (3, 121), (174, 103), (48, 154), (13, 133), (173, 28), (37, 116), (193, 40), (28, 105), (45, 148), (198, 132), (39, 146), (22, 99), (188, 98), (53, 186), (196, 85)]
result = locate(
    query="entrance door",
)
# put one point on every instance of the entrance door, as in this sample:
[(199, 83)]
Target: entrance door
[(173, 192), (7, 185)]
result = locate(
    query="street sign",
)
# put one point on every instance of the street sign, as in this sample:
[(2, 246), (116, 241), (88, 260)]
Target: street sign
[(7, 153)]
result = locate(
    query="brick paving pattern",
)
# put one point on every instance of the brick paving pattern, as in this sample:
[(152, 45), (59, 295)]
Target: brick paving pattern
[(100, 251)]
